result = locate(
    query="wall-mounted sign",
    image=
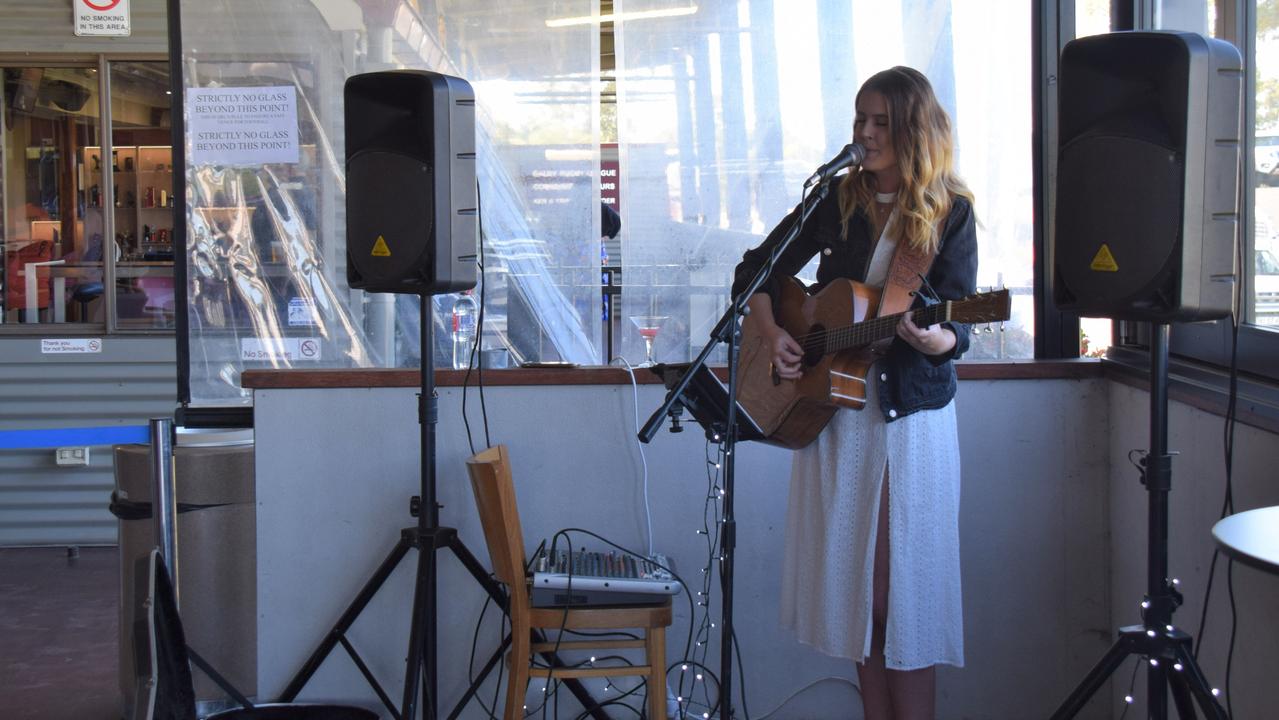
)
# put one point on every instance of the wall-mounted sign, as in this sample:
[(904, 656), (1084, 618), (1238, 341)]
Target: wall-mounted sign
[(70, 346), (286, 349), (101, 17), (242, 125)]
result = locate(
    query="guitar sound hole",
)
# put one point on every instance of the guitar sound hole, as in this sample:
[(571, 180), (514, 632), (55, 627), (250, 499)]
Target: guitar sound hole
[(814, 349)]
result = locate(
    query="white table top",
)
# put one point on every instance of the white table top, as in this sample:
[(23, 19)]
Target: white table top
[(1251, 537)]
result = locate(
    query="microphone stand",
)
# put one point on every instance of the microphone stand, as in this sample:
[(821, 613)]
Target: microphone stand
[(728, 331)]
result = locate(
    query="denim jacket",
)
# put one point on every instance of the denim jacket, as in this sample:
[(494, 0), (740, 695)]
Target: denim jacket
[(908, 380)]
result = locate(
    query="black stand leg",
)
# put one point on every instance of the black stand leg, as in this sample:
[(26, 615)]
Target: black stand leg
[(427, 537), (1168, 650)]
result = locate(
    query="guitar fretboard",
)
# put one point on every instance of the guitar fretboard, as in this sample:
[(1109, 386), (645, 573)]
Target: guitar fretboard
[(868, 331)]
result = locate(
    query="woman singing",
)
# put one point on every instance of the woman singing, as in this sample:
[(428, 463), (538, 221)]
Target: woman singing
[(871, 569)]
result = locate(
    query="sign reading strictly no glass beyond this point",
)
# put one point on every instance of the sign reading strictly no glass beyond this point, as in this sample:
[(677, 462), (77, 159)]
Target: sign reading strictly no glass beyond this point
[(101, 17), (242, 126)]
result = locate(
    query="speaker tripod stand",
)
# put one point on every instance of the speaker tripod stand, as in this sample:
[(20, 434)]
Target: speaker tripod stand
[(1167, 650), (427, 537)]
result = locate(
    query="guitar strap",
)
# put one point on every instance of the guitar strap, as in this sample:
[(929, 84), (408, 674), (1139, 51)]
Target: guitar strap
[(906, 272)]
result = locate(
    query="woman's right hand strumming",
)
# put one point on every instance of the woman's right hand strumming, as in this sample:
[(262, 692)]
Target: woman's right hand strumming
[(784, 352)]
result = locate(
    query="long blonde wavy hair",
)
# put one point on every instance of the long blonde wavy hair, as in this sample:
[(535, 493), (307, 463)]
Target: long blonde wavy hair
[(925, 153)]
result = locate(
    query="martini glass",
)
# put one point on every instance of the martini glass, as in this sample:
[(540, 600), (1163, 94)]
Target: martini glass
[(648, 325)]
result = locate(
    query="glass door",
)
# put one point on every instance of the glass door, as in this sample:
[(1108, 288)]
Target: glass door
[(51, 238), (141, 171)]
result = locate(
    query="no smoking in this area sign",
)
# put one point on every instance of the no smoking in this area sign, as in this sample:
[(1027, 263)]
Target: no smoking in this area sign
[(101, 17)]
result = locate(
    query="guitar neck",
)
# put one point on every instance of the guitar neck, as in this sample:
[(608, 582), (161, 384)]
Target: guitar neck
[(880, 328)]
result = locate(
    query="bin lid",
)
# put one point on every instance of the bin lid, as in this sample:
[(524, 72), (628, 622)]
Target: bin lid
[(213, 437)]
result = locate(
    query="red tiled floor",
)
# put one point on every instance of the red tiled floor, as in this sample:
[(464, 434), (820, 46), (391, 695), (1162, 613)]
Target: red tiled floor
[(58, 634)]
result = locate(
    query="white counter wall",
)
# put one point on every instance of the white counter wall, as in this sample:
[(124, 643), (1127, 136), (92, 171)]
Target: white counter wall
[(335, 468)]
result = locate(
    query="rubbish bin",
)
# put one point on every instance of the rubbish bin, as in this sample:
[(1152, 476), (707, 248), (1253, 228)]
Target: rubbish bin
[(217, 555)]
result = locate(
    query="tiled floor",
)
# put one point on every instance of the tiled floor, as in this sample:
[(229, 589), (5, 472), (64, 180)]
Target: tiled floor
[(58, 634)]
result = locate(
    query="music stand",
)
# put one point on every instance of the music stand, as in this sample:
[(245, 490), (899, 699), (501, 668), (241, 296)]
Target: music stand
[(728, 331), (706, 399)]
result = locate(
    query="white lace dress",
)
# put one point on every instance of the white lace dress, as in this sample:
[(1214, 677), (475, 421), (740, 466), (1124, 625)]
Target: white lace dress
[(830, 534)]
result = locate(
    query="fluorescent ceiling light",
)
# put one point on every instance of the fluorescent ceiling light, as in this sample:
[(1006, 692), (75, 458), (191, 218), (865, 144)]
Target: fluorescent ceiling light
[(615, 17)]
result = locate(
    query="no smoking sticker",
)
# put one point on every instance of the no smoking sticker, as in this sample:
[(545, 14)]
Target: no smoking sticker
[(102, 17)]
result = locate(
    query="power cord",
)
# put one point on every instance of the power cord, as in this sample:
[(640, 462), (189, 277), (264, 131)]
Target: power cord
[(1228, 502), (479, 335), (1132, 684), (806, 688), (648, 511)]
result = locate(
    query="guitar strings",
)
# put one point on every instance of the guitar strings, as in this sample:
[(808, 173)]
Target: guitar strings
[(862, 333)]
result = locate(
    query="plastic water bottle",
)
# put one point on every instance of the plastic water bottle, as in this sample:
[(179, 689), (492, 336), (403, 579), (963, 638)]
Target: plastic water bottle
[(464, 312)]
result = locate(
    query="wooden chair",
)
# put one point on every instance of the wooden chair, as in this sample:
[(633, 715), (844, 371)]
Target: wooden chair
[(490, 473)]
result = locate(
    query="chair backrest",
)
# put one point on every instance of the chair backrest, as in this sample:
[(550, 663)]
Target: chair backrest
[(490, 473)]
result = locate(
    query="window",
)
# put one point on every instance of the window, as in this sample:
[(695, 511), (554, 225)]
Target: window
[(721, 111), (141, 173), (52, 240), (720, 119), (1262, 300), (1253, 27), (86, 224)]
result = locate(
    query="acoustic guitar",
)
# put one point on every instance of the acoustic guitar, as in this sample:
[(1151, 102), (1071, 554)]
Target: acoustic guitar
[(841, 339)]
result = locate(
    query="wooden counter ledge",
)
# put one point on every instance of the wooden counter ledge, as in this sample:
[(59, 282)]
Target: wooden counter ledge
[(264, 379)]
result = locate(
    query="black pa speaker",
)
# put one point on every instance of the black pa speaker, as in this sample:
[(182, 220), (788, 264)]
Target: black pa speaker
[(1147, 177), (411, 210)]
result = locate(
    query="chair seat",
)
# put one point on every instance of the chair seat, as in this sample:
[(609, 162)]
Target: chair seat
[(600, 618), (490, 473), (85, 292)]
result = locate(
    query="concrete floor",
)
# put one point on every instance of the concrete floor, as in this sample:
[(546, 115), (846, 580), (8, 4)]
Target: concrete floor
[(59, 619)]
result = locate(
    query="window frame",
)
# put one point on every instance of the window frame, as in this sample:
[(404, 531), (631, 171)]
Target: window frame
[(1210, 343)]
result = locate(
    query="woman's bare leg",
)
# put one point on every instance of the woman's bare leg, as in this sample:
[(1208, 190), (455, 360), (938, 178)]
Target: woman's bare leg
[(913, 693), (872, 676), (891, 694)]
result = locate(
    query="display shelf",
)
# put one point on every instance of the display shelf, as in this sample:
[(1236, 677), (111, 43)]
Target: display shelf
[(143, 187)]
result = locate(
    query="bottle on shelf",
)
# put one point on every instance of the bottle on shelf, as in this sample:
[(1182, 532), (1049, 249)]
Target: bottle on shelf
[(464, 313)]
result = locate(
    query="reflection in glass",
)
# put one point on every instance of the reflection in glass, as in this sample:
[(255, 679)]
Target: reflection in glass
[(140, 171), (51, 239), (1262, 302)]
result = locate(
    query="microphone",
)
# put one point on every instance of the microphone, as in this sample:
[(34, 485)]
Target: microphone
[(852, 154)]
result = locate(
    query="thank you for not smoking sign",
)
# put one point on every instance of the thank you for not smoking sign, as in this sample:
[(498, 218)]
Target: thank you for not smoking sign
[(101, 17), (242, 125)]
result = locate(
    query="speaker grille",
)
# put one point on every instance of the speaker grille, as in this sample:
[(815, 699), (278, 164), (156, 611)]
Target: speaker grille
[(1119, 226), (389, 222)]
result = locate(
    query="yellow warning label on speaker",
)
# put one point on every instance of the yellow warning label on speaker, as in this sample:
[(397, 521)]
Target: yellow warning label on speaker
[(381, 250), (1103, 261)]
